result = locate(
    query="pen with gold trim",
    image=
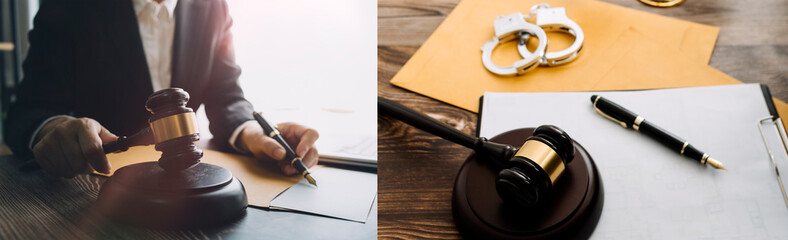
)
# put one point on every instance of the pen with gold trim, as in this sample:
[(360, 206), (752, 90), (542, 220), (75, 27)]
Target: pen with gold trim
[(290, 155), (628, 119)]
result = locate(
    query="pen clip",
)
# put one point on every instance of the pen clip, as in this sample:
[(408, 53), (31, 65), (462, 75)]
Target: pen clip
[(623, 124)]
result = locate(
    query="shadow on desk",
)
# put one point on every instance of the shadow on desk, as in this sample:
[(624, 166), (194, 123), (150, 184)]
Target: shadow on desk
[(36, 206)]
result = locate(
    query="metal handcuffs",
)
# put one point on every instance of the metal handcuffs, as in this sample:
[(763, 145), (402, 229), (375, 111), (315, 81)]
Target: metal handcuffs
[(555, 19), (515, 27)]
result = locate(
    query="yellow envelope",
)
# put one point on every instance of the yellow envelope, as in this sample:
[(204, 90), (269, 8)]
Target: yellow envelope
[(263, 182), (639, 62), (647, 64), (448, 67)]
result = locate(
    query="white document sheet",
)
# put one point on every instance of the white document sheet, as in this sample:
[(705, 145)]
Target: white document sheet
[(340, 193), (651, 192)]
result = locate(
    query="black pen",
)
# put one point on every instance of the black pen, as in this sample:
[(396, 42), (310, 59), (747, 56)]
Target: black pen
[(628, 119), (295, 160)]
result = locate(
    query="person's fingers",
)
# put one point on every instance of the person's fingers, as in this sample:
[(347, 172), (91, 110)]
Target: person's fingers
[(287, 169), (104, 134), (61, 162), (47, 167), (72, 155), (42, 158), (310, 159), (265, 146), (307, 141), (58, 164), (291, 132), (299, 136), (90, 141)]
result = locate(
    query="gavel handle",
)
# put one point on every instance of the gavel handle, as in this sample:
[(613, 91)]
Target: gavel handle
[(120, 145), (498, 153), (424, 122)]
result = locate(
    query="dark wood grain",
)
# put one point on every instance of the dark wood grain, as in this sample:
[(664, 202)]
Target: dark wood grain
[(36, 206), (416, 170)]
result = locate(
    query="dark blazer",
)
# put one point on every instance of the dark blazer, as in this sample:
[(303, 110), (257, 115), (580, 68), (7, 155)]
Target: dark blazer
[(86, 60)]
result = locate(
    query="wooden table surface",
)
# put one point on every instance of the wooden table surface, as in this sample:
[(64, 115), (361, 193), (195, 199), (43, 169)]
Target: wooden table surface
[(416, 170), (36, 206)]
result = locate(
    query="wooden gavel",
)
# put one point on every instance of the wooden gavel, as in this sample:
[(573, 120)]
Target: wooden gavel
[(177, 190), (527, 174), (173, 129)]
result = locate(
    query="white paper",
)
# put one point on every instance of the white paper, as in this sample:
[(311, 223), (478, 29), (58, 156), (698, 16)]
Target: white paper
[(651, 192), (340, 193)]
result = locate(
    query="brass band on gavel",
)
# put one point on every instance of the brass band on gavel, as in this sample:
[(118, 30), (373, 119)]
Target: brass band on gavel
[(174, 126), (544, 156)]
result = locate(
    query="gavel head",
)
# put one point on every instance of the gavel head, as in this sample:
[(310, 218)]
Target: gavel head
[(174, 128), (531, 173)]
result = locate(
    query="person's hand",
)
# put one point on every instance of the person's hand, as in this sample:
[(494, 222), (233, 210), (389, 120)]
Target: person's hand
[(69, 146), (300, 138)]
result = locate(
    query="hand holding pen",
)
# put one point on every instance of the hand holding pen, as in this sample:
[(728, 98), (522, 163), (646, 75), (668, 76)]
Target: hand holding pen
[(257, 139), (290, 156)]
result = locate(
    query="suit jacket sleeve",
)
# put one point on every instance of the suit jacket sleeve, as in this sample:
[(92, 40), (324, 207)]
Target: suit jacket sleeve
[(44, 91), (225, 104)]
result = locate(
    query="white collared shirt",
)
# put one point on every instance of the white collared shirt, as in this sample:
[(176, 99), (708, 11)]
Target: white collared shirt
[(157, 28)]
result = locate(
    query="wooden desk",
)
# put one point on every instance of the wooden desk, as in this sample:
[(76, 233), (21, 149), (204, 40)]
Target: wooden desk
[(36, 206), (417, 170)]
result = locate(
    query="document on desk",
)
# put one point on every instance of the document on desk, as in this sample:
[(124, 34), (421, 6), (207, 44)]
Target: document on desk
[(650, 191), (340, 193)]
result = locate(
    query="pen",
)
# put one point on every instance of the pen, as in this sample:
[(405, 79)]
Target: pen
[(295, 160), (628, 119)]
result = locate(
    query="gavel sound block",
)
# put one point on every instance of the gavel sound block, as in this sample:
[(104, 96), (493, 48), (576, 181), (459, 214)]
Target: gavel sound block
[(177, 191), (570, 209)]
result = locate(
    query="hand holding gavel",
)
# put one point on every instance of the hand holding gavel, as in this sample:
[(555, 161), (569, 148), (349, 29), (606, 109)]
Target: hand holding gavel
[(67, 146)]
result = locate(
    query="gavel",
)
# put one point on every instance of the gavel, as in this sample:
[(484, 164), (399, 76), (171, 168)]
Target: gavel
[(170, 120), (528, 172), (177, 190)]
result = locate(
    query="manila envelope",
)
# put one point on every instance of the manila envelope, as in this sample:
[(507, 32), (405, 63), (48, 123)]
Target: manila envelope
[(263, 182), (647, 64), (448, 67)]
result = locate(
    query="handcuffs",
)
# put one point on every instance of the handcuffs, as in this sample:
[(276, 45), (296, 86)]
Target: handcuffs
[(514, 27)]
